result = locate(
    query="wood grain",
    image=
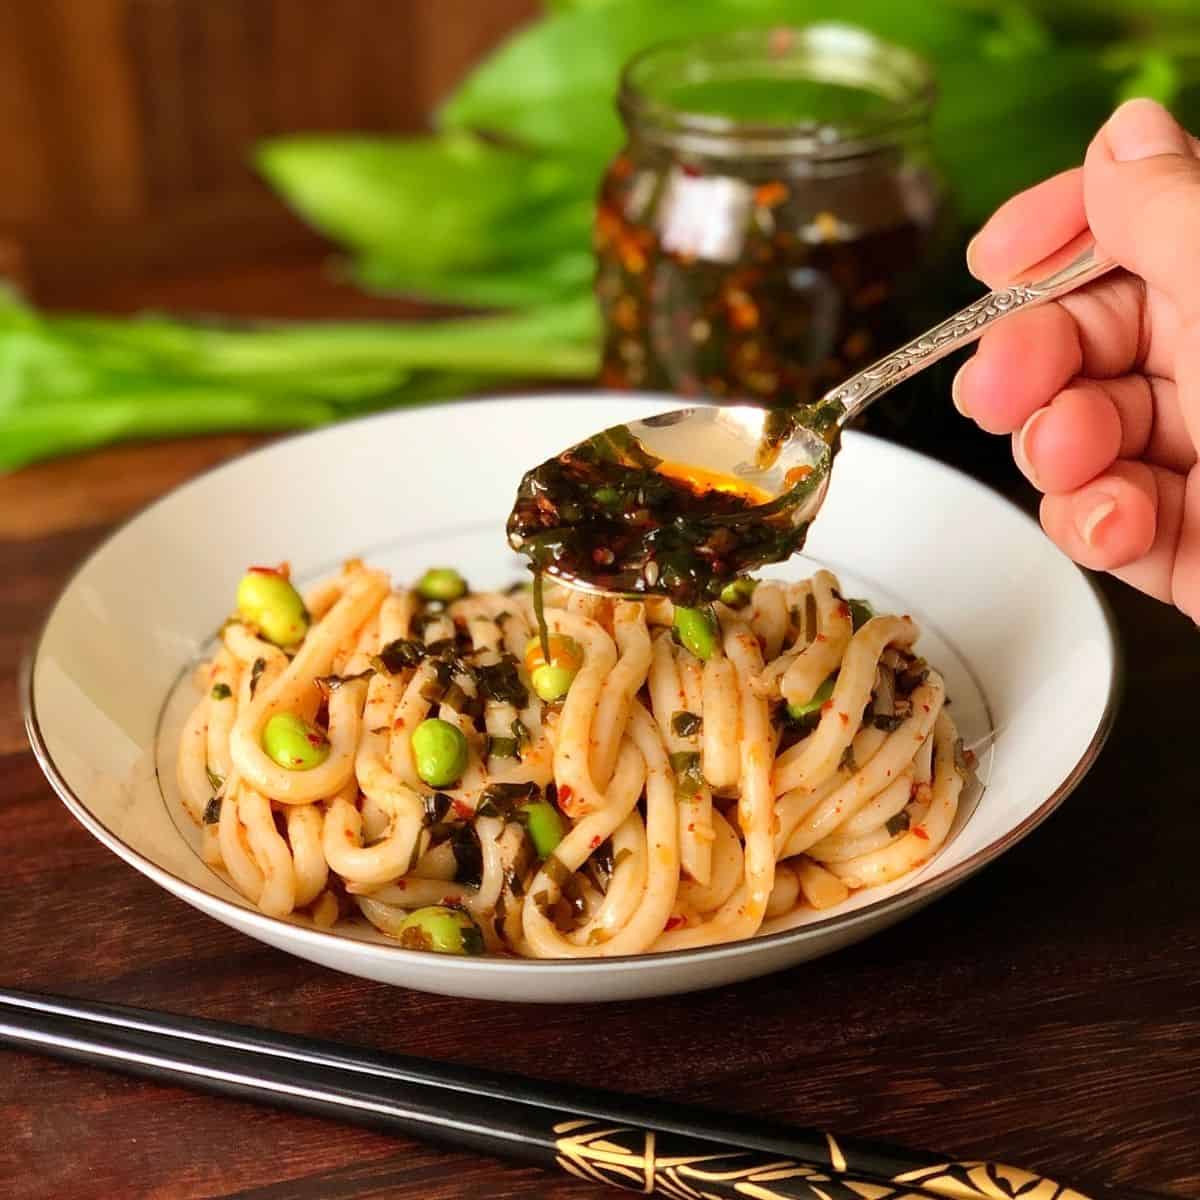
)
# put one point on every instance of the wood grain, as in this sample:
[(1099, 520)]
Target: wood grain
[(1046, 1013), (126, 125)]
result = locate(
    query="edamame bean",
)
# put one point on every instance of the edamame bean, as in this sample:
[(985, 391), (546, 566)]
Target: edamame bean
[(820, 696), (552, 683), (860, 613), (696, 629), (552, 679), (441, 929), (292, 742), (545, 825), (441, 583), (440, 751), (265, 598), (737, 592)]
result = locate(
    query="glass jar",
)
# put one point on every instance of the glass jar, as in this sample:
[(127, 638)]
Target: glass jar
[(760, 234)]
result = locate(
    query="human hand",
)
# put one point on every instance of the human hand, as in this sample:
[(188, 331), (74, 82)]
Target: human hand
[(1101, 388)]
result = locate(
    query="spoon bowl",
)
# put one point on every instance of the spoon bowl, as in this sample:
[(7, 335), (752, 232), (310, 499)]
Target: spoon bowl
[(757, 477), (784, 463)]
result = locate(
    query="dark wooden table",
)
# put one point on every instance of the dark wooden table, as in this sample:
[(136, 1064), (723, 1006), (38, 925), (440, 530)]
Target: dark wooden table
[(1046, 1014)]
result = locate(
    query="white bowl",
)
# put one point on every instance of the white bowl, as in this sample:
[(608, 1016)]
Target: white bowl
[(1023, 639)]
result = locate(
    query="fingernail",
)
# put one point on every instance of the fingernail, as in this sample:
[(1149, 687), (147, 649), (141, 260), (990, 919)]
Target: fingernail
[(971, 256), (1089, 523), (1021, 448), (956, 388), (1143, 129)]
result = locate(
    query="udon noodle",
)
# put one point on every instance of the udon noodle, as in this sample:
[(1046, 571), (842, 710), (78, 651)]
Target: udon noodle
[(698, 798)]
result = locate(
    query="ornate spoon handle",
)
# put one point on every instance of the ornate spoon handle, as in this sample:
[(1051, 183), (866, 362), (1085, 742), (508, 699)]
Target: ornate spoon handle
[(967, 325)]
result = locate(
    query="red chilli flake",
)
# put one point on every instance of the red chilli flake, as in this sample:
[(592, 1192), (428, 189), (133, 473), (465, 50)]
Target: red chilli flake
[(674, 922), (595, 842), (845, 718), (315, 739), (265, 571), (919, 831), (463, 810), (564, 795)]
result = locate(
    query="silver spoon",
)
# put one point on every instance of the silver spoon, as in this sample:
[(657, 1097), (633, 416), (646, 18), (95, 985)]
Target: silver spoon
[(790, 463)]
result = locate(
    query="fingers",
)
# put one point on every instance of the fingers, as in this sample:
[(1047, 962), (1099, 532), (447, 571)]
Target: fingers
[(1140, 523), (1111, 522), (1025, 359), (1185, 580), (1074, 438), (1092, 423), (1141, 185), (1021, 363), (1028, 228)]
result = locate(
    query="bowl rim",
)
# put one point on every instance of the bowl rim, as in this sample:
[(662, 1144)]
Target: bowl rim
[(239, 915)]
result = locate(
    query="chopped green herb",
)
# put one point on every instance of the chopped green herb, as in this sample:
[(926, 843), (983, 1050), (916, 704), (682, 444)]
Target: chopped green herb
[(848, 761), (212, 811), (398, 656), (506, 799), (899, 823), (256, 669), (214, 780), (860, 613), (500, 681), (688, 779), (436, 805), (331, 683), (912, 676), (468, 857), (221, 691), (685, 724)]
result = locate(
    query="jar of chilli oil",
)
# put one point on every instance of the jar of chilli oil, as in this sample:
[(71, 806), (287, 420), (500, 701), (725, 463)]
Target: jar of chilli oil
[(761, 232)]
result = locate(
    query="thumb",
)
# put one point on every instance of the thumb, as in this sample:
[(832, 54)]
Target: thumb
[(1141, 188)]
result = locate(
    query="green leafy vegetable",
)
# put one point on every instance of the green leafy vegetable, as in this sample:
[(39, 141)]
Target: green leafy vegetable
[(67, 383), (495, 211)]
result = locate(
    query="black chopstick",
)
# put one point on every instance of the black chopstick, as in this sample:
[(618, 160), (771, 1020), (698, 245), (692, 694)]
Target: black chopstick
[(601, 1136)]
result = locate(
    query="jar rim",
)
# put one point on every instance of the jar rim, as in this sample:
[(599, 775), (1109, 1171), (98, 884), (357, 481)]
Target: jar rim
[(826, 52)]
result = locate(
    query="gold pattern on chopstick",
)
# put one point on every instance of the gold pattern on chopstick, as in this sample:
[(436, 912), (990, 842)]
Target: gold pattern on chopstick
[(641, 1161)]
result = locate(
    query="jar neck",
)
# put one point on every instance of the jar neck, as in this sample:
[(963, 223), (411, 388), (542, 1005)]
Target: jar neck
[(823, 64)]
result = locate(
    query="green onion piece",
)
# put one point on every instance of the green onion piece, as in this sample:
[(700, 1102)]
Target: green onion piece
[(799, 711), (545, 825), (737, 592), (502, 747)]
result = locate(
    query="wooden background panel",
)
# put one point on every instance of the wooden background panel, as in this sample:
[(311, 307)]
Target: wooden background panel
[(126, 126)]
